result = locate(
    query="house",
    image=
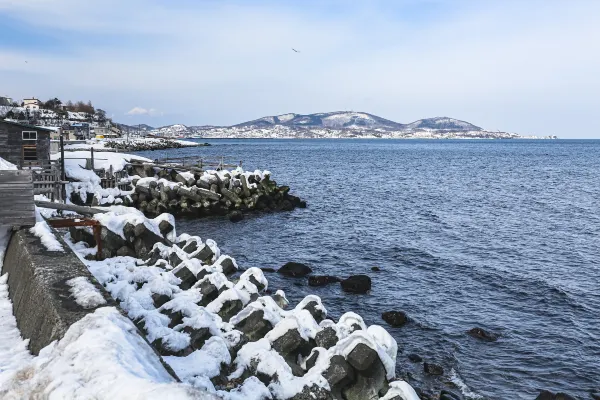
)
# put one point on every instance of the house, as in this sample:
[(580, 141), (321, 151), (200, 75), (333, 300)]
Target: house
[(68, 132), (23, 144), (101, 131), (32, 104)]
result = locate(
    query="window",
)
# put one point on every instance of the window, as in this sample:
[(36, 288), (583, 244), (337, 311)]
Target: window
[(30, 153), (29, 135)]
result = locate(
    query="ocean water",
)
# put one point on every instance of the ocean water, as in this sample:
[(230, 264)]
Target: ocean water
[(502, 235)]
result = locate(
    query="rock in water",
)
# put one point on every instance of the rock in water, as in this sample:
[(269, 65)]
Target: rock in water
[(545, 395), (414, 358), (375, 269), (479, 333), (395, 318), (295, 269), (236, 216), (433, 369), (357, 284), (322, 280)]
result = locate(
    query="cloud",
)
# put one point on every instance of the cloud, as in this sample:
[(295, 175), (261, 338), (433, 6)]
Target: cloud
[(527, 67), (143, 111)]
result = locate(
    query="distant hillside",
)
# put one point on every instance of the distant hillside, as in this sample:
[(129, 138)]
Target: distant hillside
[(334, 120)]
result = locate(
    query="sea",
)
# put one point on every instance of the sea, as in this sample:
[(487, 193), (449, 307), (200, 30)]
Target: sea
[(498, 234)]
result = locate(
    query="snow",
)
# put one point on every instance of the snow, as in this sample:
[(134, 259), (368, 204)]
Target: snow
[(101, 357), (43, 231), (205, 362), (13, 349), (85, 293), (118, 216), (5, 165), (401, 389), (75, 159)]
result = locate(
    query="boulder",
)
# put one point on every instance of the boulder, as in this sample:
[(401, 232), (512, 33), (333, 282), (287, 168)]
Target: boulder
[(375, 269), (545, 395), (294, 269), (188, 279), (125, 251), (111, 240), (235, 216), (288, 343), (205, 254), (339, 374), (316, 313), (448, 395), (371, 383), (433, 369), (322, 280), (481, 334), (414, 358), (254, 326), (395, 318), (165, 227), (229, 309), (362, 357), (357, 284), (326, 338)]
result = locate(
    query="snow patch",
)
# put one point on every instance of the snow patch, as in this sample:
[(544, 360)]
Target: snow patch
[(85, 293)]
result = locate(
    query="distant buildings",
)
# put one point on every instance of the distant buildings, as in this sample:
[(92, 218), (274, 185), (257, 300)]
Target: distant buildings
[(5, 101), (32, 104)]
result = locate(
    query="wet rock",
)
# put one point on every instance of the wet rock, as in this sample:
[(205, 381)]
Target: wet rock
[(375, 269), (125, 251), (266, 269), (414, 358), (395, 318), (433, 369), (235, 216), (357, 284), (545, 395), (294, 269), (481, 334), (563, 396), (322, 280), (448, 395), (326, 338), (595, 396)]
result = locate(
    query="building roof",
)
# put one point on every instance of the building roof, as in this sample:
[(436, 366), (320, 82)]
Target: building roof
[(37, 128)]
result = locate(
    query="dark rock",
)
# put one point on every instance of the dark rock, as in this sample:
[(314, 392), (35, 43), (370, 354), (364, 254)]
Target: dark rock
[(228, 266), (301, 204), (174, 259), (312, 393), (322, 280), (111, 240), (326, 338), (160, 299), (448, 395), (563, 396), (191, 246), (375, 269), (128, 232), (205, 254), (230, 308), (264, 269), (82, 235), (317, 313), (209, 292), (165, 227), (235, 216), (370, 383), (395, 318), (414, 358), (294, 269), (339, 373), (362, 357), (255, 326), (595, 396), (288, 343), (188, 279), (479, 333), (126, 252), (545, 395), (357, 284), (197, 336), (433, 369)]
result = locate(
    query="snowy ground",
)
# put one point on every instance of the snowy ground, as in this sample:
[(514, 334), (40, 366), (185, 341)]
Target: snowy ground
[(100, 144)]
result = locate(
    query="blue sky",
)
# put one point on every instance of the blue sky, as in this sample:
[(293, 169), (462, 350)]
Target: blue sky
[(529, 67)]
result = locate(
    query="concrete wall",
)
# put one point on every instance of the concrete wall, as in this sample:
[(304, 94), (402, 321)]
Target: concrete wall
[(42, 303)]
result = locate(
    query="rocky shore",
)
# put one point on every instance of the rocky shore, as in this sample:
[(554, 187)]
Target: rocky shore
[(150, 144), (222, 329)]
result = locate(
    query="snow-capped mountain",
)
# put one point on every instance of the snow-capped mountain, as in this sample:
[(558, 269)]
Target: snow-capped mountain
[(340, 124)]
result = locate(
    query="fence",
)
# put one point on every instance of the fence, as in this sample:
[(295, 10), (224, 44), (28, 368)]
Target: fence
[(16, 201)]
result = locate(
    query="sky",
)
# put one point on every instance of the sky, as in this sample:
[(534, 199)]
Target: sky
[(525, 66)]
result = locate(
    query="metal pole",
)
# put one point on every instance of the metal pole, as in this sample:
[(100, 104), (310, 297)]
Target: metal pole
[(62, 158), (92, 156)]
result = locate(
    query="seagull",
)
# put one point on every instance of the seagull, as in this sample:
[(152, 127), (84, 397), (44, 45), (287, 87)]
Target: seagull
[(25, 62), (295, 50)]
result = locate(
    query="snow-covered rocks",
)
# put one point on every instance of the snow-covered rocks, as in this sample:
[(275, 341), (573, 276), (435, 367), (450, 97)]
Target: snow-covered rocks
[(219, 330)]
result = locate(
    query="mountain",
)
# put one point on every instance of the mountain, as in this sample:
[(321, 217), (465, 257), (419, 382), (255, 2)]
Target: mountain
[(339, 124), (334, 120), (140, 127)]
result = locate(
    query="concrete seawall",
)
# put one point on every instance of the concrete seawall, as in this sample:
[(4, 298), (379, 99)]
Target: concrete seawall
[(42, 302)]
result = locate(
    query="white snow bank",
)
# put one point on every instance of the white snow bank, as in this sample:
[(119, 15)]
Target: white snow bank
[(4, 165), (100, 357), (13, 349), (85, 293), (205, 362), (118, 216), (42, 230)]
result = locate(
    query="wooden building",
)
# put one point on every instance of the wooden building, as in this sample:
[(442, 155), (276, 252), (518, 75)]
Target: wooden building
[(23, 144)]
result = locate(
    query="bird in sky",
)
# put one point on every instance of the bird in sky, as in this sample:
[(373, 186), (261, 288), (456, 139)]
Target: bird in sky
[(25, 61), (295, 50)]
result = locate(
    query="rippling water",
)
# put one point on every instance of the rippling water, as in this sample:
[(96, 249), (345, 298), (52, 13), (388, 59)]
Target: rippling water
[(498, 234)]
